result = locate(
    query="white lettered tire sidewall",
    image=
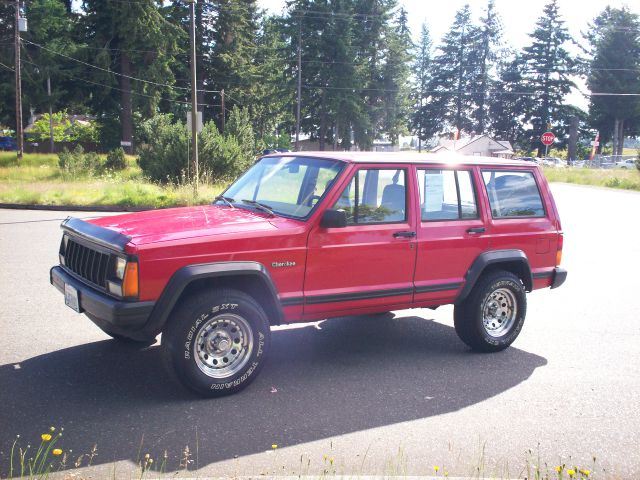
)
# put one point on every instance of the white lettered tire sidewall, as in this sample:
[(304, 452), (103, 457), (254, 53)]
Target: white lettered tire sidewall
[(185, 324)]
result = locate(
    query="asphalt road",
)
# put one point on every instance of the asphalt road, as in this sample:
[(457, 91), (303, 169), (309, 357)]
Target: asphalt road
[(357, 395)]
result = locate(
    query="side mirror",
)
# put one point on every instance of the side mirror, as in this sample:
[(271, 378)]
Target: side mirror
[(333, 219)]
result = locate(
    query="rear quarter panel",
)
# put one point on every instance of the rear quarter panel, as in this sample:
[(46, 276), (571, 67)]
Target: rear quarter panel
[(537, 237)]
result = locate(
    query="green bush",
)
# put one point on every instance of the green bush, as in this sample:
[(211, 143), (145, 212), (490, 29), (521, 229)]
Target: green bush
[(116, 160), (64, 130), (222, 157), (164, 151), (77, 163)]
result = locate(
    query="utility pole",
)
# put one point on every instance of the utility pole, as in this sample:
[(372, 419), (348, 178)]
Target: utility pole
[(51, 144), (19, 133), (299, 84), (194, 99), (223, 108)]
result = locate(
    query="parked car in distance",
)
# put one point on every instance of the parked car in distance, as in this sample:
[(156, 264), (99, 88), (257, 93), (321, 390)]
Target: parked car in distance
[(626, 163), (305, 236), (554, 162), (8, 144)]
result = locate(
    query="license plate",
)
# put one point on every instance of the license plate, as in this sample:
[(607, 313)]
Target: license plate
[(71, 297)]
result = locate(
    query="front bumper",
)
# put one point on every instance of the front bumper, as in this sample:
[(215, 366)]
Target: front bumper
[(559, 276), (125, 318)]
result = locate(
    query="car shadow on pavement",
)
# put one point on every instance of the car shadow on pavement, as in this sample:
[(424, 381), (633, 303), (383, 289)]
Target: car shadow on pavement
[(339, 376)]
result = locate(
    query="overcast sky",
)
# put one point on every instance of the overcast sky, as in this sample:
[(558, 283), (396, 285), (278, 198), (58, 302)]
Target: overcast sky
[(518, 19)]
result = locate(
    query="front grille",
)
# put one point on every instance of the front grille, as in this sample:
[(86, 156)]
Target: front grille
[(87, 263)]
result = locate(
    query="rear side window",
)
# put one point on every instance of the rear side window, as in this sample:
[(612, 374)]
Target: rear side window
[(513, 194), (446, 195)]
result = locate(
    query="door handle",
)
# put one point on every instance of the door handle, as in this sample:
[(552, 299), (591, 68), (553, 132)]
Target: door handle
[(476, 230), (404, 234)]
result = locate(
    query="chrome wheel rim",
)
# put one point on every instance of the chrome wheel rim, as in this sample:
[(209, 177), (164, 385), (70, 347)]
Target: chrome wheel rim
[(223, 345), (499, 312)]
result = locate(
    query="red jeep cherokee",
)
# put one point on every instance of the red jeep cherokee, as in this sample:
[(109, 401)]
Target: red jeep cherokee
[(307, 236)]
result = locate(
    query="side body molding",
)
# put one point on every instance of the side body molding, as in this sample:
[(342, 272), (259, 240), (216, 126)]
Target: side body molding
[(512, 259), (183, 277)]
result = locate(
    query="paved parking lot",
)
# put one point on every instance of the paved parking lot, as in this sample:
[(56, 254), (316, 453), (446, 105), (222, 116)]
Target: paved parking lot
[(372, 394)]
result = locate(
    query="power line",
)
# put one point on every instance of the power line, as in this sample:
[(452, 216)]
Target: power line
[(116, 73), (120, 89), (7, 67)]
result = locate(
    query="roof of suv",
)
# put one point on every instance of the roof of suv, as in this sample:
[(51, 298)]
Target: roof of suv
[(407, 157)]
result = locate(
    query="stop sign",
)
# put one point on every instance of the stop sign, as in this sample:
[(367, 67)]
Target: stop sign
[(547, 138)]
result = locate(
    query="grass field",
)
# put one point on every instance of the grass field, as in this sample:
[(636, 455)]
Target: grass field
[(39, 180), (612, 178)]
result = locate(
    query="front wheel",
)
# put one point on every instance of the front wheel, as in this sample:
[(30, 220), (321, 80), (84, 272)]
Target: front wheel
[(491, 317), (217, 341)]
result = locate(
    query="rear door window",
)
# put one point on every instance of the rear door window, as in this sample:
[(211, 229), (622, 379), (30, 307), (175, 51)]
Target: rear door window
[(446, 195), (513, 194)]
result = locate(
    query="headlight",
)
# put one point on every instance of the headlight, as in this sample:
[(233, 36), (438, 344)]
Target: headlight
[(124, 283), (121, 265)]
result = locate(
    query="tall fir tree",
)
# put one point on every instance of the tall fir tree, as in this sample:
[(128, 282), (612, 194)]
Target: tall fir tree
[(485, 56), (395, 75), (615, 69), (548, 75), (454, 69), (509, 101), (421, 123), (129, 41)]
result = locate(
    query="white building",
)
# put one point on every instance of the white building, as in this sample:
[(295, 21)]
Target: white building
[(478, 145)]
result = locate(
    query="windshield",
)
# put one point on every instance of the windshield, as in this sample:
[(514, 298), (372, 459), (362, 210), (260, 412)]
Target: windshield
[(287, 186)]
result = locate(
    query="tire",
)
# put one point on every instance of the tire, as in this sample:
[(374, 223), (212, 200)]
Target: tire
[(492, 316), (217, 341)]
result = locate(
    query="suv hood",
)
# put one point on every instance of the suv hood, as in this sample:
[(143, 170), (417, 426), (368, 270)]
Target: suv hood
[(186, 222)]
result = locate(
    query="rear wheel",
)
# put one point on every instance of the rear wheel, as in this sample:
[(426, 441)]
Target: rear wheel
[(491, 317), (217, 341)]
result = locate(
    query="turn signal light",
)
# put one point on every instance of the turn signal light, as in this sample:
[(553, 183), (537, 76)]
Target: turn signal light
[(130, 282)]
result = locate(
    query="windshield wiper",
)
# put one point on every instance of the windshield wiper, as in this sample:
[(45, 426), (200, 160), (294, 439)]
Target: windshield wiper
[(260, 206), (228, 200)]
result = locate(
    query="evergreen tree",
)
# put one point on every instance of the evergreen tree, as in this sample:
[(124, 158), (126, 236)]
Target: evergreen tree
[(509, 102), (615, 68), (454, 75), (7, 62), (421, 120), (485, 56), (52, 30), (274, 89), (134, 40), (234, 27), (395, 77), (548, 75)]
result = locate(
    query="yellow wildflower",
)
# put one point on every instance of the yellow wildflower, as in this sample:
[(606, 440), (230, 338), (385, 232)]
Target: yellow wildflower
[(56, 451), (436, 468), (585, 472), (571, 472), (558, 469), (274, 446), (45, 437)]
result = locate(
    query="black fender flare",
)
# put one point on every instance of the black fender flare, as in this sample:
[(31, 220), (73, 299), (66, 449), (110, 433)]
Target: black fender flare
[(184, 276), (496, 257)]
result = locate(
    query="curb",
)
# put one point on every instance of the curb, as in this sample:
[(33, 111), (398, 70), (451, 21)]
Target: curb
[(77, 208)]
